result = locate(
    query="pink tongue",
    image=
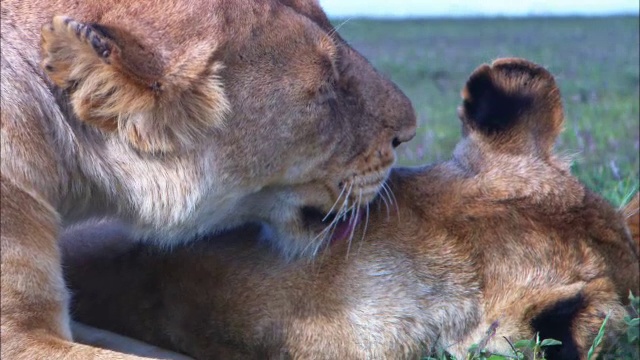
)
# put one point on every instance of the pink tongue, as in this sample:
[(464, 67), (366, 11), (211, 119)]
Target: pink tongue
[(344, 229)]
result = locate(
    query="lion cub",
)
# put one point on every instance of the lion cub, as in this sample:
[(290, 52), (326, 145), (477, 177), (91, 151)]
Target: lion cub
[(500, 235)]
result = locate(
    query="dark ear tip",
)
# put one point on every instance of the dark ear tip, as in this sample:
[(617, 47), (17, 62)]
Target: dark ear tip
[(523, 68), (483, 102), (556, 322), (496, 96), (480, 77), (515, 62)]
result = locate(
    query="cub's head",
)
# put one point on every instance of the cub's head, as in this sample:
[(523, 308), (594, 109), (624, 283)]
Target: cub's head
[(511, 115), (264, 95)]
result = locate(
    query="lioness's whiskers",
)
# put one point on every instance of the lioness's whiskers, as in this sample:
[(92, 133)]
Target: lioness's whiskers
[(392, 197), (384, 199), (324, 231), (328, 231), (345, 204), (384, 194), (364, 229), (322, 236), (334, 204), (341, 210), (336, 28), (344, 210), (353, 220)]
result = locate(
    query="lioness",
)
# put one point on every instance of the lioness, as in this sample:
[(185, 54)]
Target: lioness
[(179, 117), (502, 234)]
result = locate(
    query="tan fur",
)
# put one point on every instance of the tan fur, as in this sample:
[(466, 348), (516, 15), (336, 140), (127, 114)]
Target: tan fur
[(631, 212), (502, 234), (180, 118)]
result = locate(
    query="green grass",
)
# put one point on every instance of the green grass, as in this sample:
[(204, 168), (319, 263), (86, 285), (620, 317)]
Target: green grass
[(627, 346), (595, 61)]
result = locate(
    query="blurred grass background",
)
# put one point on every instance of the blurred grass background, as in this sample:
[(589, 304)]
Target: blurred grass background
[(595, 61)]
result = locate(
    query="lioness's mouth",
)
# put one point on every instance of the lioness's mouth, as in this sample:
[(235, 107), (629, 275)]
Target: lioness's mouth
[(346, 227), (330, 226)]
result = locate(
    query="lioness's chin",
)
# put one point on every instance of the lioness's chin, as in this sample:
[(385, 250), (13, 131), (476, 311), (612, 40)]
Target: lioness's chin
[(312, 231), (304, 220)]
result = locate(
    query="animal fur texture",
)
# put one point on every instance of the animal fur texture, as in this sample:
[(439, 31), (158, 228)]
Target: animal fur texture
[(501, 237)]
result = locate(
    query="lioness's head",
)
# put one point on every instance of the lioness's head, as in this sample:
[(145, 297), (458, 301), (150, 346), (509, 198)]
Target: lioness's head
[(261, 96)]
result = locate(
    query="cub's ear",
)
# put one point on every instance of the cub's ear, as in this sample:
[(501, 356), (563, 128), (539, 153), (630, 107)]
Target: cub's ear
[(121, 85), (515, 102), (575, 317)]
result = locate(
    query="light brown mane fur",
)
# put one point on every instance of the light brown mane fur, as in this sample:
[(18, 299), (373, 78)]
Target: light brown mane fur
[(180, 117), (502, 234)]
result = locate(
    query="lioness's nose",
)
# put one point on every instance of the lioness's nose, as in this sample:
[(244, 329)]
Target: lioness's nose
[(402, 118), (406, 132), (403, 136)]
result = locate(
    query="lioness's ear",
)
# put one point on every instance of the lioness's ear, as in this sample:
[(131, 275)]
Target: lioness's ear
[(515, 99), (118, 84)]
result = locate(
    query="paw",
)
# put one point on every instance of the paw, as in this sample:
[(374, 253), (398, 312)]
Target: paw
[(499, 95), (69, 46)]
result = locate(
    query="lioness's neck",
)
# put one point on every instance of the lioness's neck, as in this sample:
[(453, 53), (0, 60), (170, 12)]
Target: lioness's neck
[(181, 192)]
